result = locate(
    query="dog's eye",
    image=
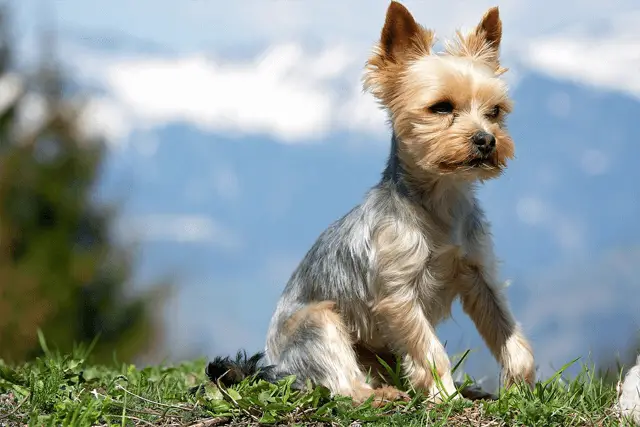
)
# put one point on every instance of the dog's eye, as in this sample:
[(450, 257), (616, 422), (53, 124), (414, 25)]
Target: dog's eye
[(494, 112), (443, 107)]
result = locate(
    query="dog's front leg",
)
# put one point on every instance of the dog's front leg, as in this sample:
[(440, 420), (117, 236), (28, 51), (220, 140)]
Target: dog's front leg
[(484, 301), (401, 255), (411, 335)]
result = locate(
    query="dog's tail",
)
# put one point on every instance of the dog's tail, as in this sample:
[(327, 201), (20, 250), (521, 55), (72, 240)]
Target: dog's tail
[(230, 372)]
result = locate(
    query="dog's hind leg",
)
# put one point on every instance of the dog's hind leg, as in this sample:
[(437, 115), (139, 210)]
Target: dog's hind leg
[(318, 347)]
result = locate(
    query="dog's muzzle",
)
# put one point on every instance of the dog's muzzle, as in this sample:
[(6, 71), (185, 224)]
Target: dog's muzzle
[(484, 143)]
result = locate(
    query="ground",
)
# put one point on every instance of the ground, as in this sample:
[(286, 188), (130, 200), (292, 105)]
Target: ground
[(65, 390)]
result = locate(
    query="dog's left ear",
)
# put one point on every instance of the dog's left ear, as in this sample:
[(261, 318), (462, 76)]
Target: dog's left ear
[(482, 43), (490, 28)]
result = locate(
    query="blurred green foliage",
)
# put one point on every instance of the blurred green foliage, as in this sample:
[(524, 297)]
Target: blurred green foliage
[(61, 270)]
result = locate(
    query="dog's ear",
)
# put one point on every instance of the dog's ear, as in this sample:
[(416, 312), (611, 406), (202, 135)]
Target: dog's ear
[(482, 43), (400, 33), (402, 40), (490, 28)]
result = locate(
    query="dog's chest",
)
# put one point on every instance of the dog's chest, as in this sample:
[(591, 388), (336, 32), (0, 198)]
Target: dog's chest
[(441, 281)]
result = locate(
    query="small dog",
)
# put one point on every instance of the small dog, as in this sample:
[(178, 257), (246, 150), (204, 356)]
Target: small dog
[(378, 280)]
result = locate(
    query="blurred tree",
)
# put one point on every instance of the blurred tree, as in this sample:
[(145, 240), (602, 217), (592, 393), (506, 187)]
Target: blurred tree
[(60, 269)]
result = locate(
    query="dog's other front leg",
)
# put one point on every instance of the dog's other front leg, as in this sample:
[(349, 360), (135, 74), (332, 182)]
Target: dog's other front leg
[(484, 301)]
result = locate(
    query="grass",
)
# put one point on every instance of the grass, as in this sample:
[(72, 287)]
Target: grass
[(64, 390)]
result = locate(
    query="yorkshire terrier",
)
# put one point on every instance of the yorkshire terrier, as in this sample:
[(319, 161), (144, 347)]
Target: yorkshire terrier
[(379, 280)]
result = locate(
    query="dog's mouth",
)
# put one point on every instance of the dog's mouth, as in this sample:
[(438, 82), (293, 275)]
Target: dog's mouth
[(481, 162), (487, 164)]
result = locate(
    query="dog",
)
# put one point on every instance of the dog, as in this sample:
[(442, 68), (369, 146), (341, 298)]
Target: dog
[(628, 391), (378, 281)]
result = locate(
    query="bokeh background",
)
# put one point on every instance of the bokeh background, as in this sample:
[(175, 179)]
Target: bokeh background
[(236, 131)]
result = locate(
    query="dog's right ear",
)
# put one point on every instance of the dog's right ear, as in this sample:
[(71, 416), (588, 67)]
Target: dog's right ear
[(401, 33), (401, 41)]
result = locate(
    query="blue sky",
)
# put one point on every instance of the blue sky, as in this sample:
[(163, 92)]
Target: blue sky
[(238, 131)]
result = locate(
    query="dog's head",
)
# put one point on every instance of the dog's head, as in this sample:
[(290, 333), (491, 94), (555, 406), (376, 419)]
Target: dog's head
[(448, 109)]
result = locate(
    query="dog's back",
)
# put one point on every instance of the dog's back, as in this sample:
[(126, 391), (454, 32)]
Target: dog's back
[(336, 268)]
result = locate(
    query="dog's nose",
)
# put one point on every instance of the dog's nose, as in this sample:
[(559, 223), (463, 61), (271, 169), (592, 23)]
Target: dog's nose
[(484, 142)]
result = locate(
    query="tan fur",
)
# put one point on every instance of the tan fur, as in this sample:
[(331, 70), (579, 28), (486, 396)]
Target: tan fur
[(394, 50), (317, 313), (487, 307), (338, 340), (383, 395), (360, 392), (483, 43), (408, 84), (402, 255), (420, 240), (409, 307)]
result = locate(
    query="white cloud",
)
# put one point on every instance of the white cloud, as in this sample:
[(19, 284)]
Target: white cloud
[(99, 117), (179, 228), (603, 54), (293, 93), (189, 26), (103, 117), (261, 97), (285, 92), (360, 112)]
